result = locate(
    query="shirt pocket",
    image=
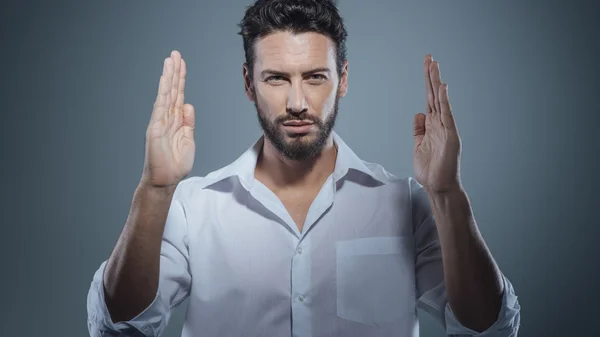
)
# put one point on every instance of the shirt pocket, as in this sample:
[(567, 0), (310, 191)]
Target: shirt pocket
[(375, 279)]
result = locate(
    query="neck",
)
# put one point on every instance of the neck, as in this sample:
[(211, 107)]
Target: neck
[(278, 171)]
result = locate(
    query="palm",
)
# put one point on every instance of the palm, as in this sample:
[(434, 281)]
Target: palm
[(437, 143), (170, 146)]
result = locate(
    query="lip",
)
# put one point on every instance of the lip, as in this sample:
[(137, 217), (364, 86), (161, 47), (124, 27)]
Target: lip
[(297, 123), (300, 128)]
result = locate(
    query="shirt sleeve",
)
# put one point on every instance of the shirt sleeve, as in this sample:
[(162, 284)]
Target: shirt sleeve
[(174, 286), (431, 289)]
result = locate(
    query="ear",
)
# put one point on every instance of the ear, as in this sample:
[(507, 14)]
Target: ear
[(248, 89), (343, 81)]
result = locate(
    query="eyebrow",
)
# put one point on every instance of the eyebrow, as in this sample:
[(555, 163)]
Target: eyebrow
[(282, 73)]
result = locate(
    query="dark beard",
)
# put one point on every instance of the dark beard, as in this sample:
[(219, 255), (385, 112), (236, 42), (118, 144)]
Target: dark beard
[(298, 149)]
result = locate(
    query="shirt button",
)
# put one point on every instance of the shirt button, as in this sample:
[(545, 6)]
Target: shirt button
[(301, 298), (299, 250)]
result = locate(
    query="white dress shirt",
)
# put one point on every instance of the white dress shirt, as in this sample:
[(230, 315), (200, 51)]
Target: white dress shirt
[(368, 256)]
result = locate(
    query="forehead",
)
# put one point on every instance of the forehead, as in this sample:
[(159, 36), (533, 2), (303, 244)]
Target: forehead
[(284, 50)]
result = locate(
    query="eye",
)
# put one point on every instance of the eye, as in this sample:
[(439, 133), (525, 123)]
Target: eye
[(317, 78), (276, 79)]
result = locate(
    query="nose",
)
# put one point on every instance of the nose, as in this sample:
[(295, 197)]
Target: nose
[(296, 103)]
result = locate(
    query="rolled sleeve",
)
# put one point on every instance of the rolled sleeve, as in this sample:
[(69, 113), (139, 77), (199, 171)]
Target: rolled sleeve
[(173, 288), (148, 323)]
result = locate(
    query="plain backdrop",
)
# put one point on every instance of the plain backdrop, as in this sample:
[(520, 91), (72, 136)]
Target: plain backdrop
[(79, 79)]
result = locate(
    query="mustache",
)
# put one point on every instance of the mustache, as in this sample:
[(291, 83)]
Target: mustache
[(298, 117)]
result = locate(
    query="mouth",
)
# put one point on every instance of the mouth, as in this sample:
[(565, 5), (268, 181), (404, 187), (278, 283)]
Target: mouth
[(298, 127), (297, 123)]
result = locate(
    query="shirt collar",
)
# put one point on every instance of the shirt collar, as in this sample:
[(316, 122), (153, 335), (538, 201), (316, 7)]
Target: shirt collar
[(243, 167)]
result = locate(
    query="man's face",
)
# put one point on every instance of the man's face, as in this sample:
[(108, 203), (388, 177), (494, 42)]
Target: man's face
[(296, 90)]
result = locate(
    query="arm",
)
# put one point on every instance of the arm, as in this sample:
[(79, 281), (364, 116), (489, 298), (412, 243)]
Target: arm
[(150, 275), (132, 271), (458, 280), (433, 279), (147, 273), (474, 284)]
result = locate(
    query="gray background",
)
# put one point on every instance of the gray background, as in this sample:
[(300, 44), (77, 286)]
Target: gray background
[(79, 80)]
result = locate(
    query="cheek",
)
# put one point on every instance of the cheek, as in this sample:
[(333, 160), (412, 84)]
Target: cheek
[(321, 98), (272, 100)]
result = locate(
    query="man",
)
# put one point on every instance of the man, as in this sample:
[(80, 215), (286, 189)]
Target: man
[(298, 236)]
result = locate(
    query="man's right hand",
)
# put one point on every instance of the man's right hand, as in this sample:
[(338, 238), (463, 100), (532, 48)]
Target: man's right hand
[(170, 146)]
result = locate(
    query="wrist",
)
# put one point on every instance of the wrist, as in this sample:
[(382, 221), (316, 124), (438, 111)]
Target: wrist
[(448, 191), (155, 191)]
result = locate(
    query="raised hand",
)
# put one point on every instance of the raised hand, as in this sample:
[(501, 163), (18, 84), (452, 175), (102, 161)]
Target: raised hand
[(170, 146), (437, 142)]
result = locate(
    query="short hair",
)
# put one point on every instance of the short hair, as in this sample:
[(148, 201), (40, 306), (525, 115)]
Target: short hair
[(264, 17)]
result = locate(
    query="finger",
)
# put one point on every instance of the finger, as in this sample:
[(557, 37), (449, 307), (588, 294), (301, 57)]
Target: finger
[(428, 88), (169, 83), (446, 113), (436, 81), (189, 121), (160, 104), (189, 117), (180, 93), (175, 76), (444, 99), (419, 125), (177, 107), (419, 128)]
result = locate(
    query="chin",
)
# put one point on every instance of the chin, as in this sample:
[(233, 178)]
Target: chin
[(301, 137)]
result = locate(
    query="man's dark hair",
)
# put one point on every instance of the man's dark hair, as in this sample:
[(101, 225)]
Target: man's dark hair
[(296, 16)]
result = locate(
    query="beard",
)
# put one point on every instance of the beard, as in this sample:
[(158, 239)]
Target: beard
[(298, 148)]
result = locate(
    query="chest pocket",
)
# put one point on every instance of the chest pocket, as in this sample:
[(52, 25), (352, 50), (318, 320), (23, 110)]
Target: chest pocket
[(375, 279)]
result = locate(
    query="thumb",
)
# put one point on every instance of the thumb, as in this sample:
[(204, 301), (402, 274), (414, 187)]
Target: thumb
[(419, 125), (189, 118)]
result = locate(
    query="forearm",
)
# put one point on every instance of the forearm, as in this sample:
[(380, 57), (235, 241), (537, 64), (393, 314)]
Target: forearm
[(473, 281), (132, 271)]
